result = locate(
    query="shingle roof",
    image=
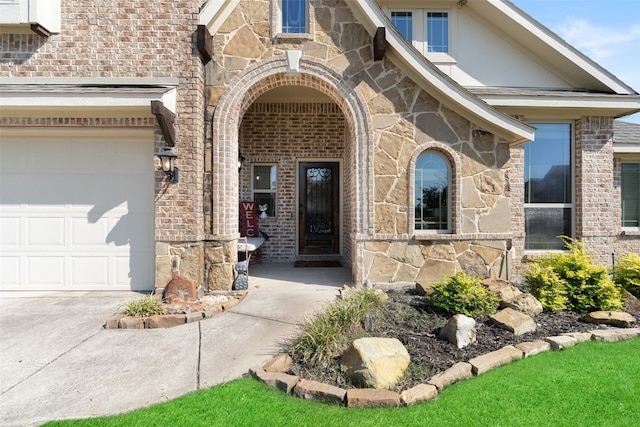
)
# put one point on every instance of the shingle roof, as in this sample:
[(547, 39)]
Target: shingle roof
[(626, 132)]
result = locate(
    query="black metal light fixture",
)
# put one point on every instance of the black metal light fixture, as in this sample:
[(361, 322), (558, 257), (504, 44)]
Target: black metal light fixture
[(167, 160)]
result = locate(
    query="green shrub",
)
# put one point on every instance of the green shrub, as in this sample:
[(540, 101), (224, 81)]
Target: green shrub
[(626, 273), (328, 333), (144, 306), (572, 281), (462, 293), (547, 287)]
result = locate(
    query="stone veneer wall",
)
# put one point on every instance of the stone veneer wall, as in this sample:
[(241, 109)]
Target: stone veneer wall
[(282, 134), (405, 120), (134, 39)]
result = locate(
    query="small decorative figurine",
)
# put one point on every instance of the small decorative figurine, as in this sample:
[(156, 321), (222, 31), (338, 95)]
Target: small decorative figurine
[(263, 211)]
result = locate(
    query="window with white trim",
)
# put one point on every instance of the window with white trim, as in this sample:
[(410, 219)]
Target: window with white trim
[(427, 30), (548, 206), (432, 192), (292, 19), (630, 194), (264, 188)]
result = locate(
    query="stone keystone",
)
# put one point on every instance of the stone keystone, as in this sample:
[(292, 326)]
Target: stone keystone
[(458, 372), (313, 390), (619, 319), (514, 321), (486, 362), (459, 330), (375, 362), (369, 397)]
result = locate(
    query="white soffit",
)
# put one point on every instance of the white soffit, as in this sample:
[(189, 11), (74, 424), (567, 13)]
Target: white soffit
[(534, 35), (214, 12), (132, 95)]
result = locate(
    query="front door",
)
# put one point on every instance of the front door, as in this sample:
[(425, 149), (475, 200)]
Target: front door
[(319, 208)]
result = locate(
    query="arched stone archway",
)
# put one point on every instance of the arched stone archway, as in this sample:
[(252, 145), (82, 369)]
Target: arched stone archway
[(238, 97)]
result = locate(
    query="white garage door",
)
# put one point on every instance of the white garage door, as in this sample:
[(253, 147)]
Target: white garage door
[(76, 210)]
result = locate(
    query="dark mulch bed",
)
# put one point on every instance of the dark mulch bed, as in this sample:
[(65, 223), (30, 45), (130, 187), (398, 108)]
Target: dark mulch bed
[(407, 317)]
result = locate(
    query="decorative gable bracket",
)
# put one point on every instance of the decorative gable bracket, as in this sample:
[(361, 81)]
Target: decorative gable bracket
[(167, 120), (379, 44), (204, 43)]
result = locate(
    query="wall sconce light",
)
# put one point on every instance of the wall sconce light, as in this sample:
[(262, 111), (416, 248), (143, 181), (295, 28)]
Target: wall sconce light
[(241, 160), (167, 160)]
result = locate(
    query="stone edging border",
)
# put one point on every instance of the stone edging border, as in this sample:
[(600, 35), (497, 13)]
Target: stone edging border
[(122, 321), (274, 373)]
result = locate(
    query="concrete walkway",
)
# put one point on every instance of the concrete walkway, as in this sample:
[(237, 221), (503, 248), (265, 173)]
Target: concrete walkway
[(57, 361)]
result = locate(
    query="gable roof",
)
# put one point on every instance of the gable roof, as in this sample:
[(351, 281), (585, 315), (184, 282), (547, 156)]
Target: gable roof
[(599, 90)]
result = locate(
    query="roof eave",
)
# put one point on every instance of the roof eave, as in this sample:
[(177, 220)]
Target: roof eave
[(440, 86)]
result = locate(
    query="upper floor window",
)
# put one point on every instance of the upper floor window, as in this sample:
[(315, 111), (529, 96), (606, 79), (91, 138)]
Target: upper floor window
[(427, 30), (630, 192), (292, 19), (433, 199), (548, 192), (294, 16)]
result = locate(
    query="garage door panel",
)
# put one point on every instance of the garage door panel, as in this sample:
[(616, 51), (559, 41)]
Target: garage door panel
[(77, 213), (45, 232), (90, 271), (10, 267), (84, 233), (9, 232), (46, 270)]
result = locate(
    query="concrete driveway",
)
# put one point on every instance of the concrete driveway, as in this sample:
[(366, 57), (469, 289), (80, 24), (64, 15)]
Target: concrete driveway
[(58, 362)]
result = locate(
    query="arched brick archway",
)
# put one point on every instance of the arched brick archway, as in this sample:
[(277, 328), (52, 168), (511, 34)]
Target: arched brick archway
[(241, 94)]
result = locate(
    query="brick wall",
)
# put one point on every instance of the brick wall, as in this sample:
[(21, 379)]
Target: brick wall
[(282, 134), (131, 39)]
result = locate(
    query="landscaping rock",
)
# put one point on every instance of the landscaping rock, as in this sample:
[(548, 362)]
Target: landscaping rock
[(422, 290), (230, 304), (613, 335), (375, 362), (278, 380), (166, 320), (525, 303), (280, 363), (579, 336), (113, 322), (619, 319), (486, 362), (459, 330), (532, 348), (180, 288), (458, 372), (194, 317), (505, 290), (631, 303), (369, 397), (418, 394), (561, 341), (131, 323), (514, 321), (313, 390)]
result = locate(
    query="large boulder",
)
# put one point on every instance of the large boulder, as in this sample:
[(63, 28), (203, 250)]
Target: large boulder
[(459, 330), (179, 290), (620, 319), (524, 303), (375, 362), (514, 321)]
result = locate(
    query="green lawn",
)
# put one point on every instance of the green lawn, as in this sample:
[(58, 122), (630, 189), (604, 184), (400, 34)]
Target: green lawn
[(591, 384)]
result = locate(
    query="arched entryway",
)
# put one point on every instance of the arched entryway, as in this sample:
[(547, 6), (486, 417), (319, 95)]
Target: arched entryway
[(322, 94)]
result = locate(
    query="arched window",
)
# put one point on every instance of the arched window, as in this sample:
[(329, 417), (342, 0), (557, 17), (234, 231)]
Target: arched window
[(432, 192)]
